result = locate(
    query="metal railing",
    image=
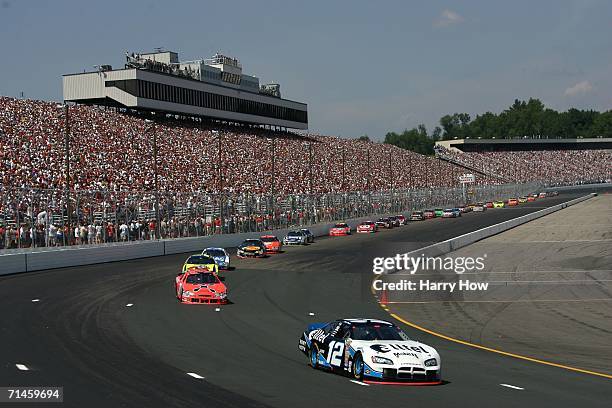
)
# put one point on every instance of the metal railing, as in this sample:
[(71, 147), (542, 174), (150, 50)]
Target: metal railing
[(32, 218)]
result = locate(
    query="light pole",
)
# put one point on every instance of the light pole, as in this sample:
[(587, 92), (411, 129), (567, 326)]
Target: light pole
[(220, 178), (369, 171), (67, 170), (273, 178), (155, 186), (310, 168), (343, 165)]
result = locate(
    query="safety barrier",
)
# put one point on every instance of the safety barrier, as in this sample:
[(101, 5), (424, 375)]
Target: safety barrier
[(453, 244)]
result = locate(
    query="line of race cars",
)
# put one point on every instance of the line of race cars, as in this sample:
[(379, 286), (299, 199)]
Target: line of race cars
[(367, 350)]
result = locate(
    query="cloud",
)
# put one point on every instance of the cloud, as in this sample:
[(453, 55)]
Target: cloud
[(580, 88), (447, 18)]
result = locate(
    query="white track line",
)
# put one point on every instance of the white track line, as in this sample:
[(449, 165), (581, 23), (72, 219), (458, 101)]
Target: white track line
[(129, 305), (35, 300), (22, 367), (195, 375), (514, 387), (360, 383)]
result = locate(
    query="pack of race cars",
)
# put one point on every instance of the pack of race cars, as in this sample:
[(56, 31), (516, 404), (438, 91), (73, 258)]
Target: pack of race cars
[(367, 350)]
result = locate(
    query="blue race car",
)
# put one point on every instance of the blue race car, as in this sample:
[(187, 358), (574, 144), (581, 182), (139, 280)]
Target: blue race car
[(220, 256)]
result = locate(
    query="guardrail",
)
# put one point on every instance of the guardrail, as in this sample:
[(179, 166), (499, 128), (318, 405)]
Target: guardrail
[(453, 244)]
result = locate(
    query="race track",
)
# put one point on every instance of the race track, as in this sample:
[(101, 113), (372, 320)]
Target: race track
[(80, 334)]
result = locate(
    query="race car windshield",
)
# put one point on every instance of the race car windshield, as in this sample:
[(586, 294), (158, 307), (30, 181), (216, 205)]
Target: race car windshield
[(294, 234), (215, 252), (373, 332), (341, 225), (251, 242), (269, 239), (200, 259), (203, 278)]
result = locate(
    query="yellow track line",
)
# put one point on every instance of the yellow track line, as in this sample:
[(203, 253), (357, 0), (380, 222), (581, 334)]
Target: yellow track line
[(492, 350), (421, 302)]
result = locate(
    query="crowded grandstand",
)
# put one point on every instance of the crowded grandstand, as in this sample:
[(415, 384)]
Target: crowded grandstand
[(259, 177)]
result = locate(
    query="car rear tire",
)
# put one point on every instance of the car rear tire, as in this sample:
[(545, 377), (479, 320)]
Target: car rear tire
[(358, 367), (313, 357)]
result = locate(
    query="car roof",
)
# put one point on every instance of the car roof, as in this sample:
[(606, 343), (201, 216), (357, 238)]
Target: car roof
[(268, 236), (200, 255), (366, 320), (214, 249)]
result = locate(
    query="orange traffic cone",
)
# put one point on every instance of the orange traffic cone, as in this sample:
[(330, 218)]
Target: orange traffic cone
[(384, 297)]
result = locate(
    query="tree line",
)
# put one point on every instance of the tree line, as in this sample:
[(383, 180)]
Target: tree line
[(522, 119)]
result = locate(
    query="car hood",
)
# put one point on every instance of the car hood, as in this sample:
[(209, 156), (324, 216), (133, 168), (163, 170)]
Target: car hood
[(203, 288), (401, 352), (250, 248), (208, 266)]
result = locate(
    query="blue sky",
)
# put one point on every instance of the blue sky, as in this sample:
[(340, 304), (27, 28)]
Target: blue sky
[(363, 67)]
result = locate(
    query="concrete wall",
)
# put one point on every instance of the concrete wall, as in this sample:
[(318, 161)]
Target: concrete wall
[(49, 258)]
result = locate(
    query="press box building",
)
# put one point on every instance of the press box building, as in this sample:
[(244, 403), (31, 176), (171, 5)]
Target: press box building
[(215, 88)]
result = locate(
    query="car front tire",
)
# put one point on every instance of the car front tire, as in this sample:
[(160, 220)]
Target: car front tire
[(358, 367)]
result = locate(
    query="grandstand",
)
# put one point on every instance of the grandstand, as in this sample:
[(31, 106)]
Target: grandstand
[(554, 162), (525, 144), (214, 88), (200, 177)]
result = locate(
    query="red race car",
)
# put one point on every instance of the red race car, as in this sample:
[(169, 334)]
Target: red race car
[(489, 204), (401, 219), (200, 285), (367, 227), (341, 228), (513, 202), (429, 214), (272, 244)]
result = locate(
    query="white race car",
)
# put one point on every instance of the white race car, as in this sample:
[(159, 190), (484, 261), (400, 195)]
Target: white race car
[(370, 350)]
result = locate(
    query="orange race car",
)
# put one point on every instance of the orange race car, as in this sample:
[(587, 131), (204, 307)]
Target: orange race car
[(512, 202), (272, 244), (341, 228), (367, 227), (200, 285)]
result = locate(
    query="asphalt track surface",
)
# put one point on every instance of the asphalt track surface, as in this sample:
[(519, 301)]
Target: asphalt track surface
[(81, 335)]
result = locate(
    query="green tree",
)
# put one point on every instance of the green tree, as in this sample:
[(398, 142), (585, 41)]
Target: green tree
[(415, 139), (602, 125)]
